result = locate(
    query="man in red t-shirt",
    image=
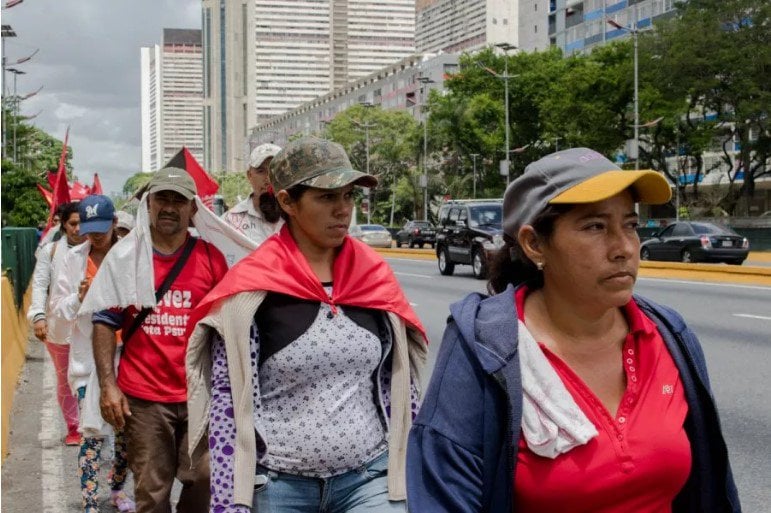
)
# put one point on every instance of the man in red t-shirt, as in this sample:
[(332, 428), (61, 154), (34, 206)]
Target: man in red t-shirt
[(149, 396)]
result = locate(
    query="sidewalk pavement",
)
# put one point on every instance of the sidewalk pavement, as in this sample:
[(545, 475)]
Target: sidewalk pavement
[(41, 473)]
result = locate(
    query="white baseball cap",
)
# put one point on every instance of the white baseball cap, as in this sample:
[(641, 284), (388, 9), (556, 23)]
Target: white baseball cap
[(262, 152)]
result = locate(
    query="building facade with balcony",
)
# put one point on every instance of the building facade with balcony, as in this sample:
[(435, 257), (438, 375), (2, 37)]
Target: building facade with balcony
[(394, 87), (171, 97), (579, 25)]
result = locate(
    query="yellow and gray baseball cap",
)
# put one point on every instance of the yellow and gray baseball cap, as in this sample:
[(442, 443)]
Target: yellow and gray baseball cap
[(316, 163), (574, 176), (172, 179)]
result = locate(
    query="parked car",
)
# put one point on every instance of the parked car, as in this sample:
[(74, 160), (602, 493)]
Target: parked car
[(373, 235), (689, 241), (469, 233), (416, 233)]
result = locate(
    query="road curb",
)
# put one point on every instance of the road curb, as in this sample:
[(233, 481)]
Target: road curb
[(745, 274)]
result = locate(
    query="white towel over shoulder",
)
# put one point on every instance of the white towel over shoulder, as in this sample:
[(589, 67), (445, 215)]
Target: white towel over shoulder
[(552, 422), (126, 278)]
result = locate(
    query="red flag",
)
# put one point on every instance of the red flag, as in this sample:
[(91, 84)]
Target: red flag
[(61, 191), (63, 157), (207, 187), (47, 195), (96, 188), (78, 191), (52, 179)]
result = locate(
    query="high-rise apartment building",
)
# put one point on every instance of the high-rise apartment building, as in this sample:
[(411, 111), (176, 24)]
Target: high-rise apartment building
[(171, 95), (265, 57), (578, 25), (465, 25), (228, 82)]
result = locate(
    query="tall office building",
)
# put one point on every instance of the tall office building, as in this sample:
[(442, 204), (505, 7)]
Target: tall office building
[(171, 94), (265, 57), (465, 25)]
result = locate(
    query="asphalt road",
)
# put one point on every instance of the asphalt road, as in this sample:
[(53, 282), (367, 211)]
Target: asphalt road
[(733, 323)]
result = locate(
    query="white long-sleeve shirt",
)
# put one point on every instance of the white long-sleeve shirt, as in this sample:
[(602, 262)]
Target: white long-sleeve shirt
[(64, 309), (43, 278), (244, 218)]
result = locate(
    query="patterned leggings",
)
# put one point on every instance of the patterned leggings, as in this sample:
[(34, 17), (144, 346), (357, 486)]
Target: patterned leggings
[(60, 354), (88, 462)]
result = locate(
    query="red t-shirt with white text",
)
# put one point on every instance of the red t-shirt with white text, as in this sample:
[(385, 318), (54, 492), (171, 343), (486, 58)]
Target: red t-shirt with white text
[(152, 366)]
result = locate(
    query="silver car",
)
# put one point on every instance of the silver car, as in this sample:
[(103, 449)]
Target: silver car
[(373, 235)]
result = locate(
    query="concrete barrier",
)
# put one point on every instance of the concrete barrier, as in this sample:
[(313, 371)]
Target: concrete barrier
[(746, 274), (15, 335)]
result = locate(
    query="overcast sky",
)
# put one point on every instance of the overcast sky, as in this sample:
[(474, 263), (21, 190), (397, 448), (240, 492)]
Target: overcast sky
[(88, 65)]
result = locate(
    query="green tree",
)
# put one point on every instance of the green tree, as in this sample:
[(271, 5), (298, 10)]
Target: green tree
[(720, 80), (36, 153), (392, 142), (136, 182), (234, 187)]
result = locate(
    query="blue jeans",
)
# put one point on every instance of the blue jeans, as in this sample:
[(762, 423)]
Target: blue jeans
[(363, 490)]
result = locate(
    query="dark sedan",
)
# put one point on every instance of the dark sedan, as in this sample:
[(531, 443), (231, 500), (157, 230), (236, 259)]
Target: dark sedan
[(688, 241), (416, 233)]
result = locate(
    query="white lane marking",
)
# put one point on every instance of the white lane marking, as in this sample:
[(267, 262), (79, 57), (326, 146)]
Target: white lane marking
[(52, 454), (708, 283), (750, 316), (413, 275)]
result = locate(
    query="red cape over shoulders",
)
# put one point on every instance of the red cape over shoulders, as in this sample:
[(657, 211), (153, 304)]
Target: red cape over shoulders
[(360, 278)]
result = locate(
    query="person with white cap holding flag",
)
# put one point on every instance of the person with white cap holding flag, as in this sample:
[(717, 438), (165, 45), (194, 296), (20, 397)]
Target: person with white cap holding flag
[(147, 287), (257, 216), (97, 224)]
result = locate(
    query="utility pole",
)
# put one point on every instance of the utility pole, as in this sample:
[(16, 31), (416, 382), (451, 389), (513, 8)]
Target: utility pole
[(507, 163), (474, 156), (15, 99), (366, 126), (424, 106), (634, 30)]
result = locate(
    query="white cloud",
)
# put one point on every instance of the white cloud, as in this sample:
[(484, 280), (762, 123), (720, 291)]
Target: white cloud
[(88, 64)]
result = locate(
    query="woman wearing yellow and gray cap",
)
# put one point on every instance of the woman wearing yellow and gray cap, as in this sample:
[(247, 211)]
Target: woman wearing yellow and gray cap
[(563, 391), (309, 355)]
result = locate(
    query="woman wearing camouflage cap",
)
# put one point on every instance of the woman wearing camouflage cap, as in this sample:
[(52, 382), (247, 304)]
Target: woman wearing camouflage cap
[(308, 353), (563, 391)]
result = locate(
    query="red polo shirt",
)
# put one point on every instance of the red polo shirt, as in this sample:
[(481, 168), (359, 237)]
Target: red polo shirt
[(641, 458)]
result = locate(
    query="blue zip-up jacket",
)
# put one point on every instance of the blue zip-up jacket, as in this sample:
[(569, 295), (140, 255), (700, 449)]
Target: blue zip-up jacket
[(462, 448)]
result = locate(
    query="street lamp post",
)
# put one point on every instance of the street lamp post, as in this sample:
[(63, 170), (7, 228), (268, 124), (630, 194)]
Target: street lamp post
[(474, 157), (424, 106), (634, 30), (366, 126), (506, 47), (16, 73)]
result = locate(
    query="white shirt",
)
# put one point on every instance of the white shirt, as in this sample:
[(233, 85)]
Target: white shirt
[(44, 278), (244, 218)]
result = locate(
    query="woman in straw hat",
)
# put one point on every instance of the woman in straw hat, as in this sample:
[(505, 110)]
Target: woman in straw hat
[(563, 391), (305, 363)]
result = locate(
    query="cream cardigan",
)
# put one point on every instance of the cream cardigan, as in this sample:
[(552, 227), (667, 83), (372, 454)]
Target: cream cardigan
[(232, 318)]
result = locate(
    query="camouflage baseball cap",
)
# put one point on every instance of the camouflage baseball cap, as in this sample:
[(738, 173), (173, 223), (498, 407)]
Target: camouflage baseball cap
[(316, 163)]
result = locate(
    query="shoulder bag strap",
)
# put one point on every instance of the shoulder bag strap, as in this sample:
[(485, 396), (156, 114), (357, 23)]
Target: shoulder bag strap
[(139, 319)]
